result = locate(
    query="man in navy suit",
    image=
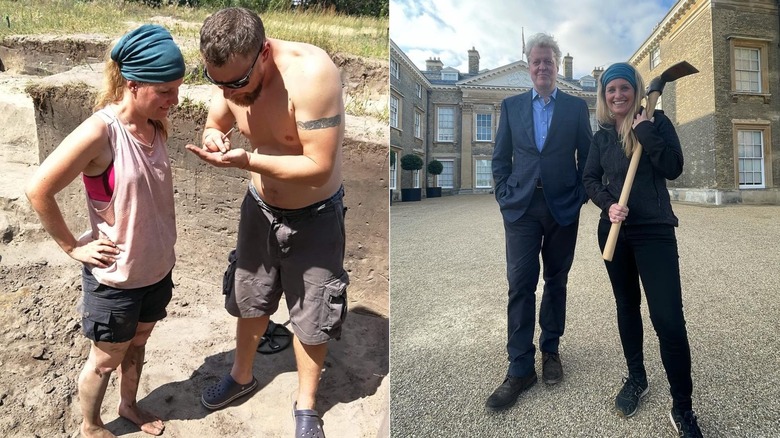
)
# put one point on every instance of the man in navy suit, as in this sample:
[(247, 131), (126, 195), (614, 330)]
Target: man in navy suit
[(541, 147)]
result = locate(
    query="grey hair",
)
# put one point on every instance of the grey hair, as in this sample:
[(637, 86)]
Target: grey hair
[(545, 41)]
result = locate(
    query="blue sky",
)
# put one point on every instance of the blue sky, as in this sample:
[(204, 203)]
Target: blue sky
[(594, 32)]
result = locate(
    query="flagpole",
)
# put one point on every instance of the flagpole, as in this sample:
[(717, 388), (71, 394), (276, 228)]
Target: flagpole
[(522, 33)]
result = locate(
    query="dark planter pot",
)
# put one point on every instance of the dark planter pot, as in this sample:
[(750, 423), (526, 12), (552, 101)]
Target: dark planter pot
[(411, 195), (433, 192)]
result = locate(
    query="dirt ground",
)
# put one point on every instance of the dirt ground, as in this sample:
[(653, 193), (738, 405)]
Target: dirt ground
[(44, 350)]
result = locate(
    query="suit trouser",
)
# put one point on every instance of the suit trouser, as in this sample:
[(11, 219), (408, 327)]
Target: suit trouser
[(649, 253), (536, 231)]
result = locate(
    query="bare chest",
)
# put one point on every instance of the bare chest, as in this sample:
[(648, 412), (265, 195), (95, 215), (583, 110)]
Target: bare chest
[(269, 123)]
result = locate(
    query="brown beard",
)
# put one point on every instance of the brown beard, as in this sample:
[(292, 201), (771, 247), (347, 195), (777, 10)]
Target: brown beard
[(247, 99)]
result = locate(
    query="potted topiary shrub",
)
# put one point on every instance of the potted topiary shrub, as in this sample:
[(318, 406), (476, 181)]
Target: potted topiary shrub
[(434, 168), (411, 162)]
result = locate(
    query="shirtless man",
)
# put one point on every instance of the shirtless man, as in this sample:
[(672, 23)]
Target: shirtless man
[(285, 97)]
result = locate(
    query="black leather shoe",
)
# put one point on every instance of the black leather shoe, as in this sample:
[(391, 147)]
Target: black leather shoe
[(552, 370), (506, 395)]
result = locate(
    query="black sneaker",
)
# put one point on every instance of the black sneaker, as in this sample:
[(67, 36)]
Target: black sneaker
[(627, 400), (685, 424)]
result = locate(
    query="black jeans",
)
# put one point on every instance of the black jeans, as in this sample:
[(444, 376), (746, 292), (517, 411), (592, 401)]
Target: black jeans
[(649, 253), (536, 231)]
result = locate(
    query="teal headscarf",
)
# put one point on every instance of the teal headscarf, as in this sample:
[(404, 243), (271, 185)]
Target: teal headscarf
[(619, 70), (148, 54)]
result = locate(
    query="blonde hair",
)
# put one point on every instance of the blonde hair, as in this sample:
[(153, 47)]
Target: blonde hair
[(113, 90), (625, 130)]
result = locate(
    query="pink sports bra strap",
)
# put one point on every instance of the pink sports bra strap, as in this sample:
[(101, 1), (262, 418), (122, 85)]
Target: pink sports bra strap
[(100, 187)]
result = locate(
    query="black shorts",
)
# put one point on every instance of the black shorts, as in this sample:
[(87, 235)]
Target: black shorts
[(112, 315)]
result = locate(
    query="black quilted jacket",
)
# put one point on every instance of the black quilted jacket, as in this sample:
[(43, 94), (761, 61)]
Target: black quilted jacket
[(607, 165)]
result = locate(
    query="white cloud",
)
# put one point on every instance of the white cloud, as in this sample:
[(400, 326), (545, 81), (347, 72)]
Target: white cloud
[(594, 32)]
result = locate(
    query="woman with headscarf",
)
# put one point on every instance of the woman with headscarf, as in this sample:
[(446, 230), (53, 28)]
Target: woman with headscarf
[(646, 247), (128, 255)]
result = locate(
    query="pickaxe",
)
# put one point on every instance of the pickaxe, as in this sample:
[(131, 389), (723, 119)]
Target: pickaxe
[(654, 90)]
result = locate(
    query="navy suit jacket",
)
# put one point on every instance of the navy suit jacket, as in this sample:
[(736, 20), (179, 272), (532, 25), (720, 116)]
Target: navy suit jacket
[(517, 161)]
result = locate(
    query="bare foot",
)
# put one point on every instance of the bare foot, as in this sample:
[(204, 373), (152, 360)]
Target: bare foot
[(95, 431), (146, 421)]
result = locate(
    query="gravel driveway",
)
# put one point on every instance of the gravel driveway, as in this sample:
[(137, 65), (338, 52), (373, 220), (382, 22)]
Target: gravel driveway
[(448, 328)]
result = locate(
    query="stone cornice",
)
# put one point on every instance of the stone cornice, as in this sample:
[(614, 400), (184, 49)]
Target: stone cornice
[(445, 87), (662, 29), (493, 73), (747, 38), (579, 93), (396, 52), (681, 9)]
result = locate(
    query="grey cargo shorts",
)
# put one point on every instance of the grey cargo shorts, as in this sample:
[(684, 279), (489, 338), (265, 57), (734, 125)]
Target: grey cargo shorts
[(296, 252)]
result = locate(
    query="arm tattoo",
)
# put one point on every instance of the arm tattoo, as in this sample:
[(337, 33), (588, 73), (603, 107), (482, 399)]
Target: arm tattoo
[(326, 122)]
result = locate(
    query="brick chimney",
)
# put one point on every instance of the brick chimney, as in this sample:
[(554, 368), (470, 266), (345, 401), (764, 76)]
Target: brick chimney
[(597, 71), (473, 61), (567, 67), (433, 64)]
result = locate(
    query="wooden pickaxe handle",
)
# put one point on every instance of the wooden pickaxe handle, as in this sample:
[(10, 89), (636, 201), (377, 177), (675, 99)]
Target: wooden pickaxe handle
[(614, 230)]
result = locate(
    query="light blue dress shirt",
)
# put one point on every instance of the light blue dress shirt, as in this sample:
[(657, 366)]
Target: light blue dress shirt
[(543, 114)]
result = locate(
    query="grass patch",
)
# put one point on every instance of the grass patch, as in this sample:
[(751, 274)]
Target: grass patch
[(362, 36), (363, 104)]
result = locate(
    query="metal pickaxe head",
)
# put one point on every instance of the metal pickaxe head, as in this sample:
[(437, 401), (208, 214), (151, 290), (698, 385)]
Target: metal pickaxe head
[(671, 74)]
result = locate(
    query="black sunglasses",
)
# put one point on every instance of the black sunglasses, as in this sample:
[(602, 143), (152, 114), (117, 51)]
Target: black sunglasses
[(240, 83)]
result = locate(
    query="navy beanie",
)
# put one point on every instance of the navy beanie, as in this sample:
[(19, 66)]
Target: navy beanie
[(148, 54), (620, 70)]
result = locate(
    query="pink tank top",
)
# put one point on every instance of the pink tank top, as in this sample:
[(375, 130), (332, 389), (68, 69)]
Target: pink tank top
[(140, 215)]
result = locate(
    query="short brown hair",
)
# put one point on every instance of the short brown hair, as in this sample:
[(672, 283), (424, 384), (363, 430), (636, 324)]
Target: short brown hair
[(230, 32)]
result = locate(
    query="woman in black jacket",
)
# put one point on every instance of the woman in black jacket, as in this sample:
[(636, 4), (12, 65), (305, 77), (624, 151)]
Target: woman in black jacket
[(646, 247)]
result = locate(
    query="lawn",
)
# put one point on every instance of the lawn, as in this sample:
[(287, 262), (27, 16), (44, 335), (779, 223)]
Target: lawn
[(362, 36)]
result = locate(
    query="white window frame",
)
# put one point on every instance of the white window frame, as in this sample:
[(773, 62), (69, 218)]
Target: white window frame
[(594, 122), (747, 157), (489, 174), (393, 182), (449, 76), (745, 75), (395, 111), (447, 163), (418, 124), (738, 76), (655, 57), (418, 87), (489, 127), (445, 134), (395, 70), (416, 178)]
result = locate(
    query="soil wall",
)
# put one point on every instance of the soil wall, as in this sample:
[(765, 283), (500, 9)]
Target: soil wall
[(208, 199)]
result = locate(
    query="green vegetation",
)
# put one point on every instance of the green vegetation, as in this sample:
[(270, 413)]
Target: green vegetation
[(357, 35), (336, 33), (435, 167), (374, 8), (363, 104), (411, 162)]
